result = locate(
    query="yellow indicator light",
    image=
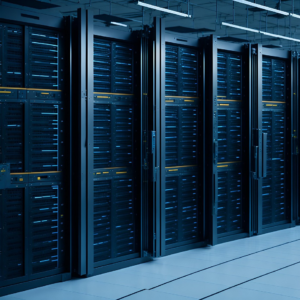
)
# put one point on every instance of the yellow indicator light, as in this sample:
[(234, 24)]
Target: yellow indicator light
[(173, 170), (145, 94), (45, 93), (121, 172), (98, 173), (169, 100), (224, 104), (39, 178), (223, 166), (105, 172), (103, 97), (20, 179), (5, 92), (189, 100), (2, 171)]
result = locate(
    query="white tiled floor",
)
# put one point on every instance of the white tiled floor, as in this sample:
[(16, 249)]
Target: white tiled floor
[(263, 267)]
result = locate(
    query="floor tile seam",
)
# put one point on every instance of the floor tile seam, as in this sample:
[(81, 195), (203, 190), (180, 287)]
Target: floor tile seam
[(221, 264), (81, 293), (117, 284), (237, 285), (272, 285), (132, 294)]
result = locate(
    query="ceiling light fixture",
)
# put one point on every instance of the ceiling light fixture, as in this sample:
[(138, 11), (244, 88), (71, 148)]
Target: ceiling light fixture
[(262, 32), (240, 27), (277, 11), (295, 16), (163, 9), (280, 36), (118, 24)]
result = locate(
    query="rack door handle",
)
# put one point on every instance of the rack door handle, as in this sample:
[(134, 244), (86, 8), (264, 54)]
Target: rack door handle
[(264, 155), (153, 153)]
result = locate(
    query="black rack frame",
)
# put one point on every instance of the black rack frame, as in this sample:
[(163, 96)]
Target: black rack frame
[(63, 26), (85, 207), (160, 38), (257, 52), (210, 47)]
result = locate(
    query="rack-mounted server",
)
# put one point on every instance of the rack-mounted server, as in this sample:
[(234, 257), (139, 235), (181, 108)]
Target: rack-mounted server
[(34, 215), (115, 208)]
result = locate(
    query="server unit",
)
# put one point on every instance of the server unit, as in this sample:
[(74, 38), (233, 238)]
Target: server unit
[(34, 216), (180, 144), (227, 138), (113, 148), (272, 127)]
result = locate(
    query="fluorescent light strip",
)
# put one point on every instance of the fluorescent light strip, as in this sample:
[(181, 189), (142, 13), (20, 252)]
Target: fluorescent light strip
[(280, 36), (118, 24), (295, 16), (163, 9), (262, 32), (240, 27), (262, 7)]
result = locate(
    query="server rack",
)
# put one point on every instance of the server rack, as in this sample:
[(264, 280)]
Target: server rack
[(34, 186), (111, 206), (179, 142), (272, 124), (227, 138)]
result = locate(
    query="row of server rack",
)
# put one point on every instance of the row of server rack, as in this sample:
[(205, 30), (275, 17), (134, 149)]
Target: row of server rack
[(118, 146)]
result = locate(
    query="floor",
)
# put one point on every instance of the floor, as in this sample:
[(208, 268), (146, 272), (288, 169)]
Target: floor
[(262, 267)]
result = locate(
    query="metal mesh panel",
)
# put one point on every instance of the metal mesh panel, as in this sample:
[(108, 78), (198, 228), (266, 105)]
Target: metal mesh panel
[(181, 71), (12, 146), (11, 56), (12, 233), (229, 217), (181, 209), (114, 218), (45, 137), (43, 59), (273, 189), (113, 67), (46, 228)]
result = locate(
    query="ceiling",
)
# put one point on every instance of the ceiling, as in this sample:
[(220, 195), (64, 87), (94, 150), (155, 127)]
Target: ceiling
[(205, 14)]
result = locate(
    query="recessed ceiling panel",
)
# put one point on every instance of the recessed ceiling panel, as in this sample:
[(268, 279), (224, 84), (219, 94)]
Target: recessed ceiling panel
[(33, 4), (110, 18), (182, 29)]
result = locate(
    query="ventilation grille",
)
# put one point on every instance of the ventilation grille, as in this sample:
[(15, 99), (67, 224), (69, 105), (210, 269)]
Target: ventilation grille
[(229, 217), (102, 220), (229, 135), (45, 137), (113, 67), (13, 233), (181, 209), (181, 135), (13, 135), (181, 71), (274, 76), (274, 203), (11, 56), (45, 228), (43, 59), (229, 76), (102, 66), (171, 83), (114, 219), (113, 135)]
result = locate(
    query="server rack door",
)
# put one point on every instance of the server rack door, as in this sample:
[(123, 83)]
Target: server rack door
[(227, 139), (272, 140), (33, 241), (181, 147), (229, 144), (116, 155)]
